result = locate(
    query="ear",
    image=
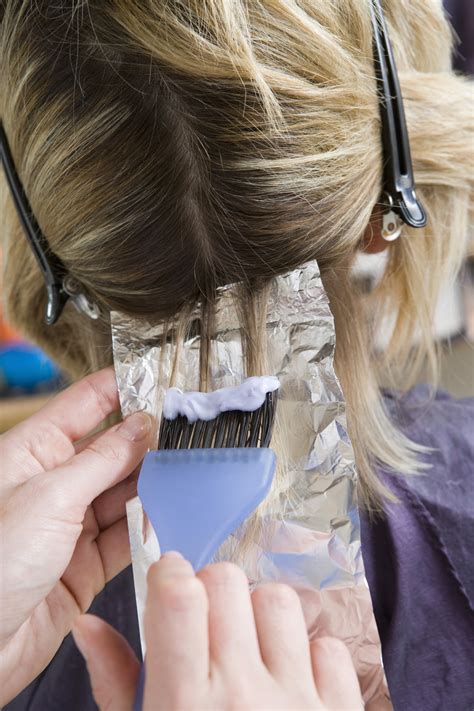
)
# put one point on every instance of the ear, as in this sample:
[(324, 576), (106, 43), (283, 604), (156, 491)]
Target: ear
[(372, 242)]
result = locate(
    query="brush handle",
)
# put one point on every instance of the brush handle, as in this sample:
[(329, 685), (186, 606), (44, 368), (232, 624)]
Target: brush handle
[(195, 499)]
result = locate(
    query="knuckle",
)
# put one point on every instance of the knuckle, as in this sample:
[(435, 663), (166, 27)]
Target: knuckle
[(171, 567), (110, 449), (48, 496), (277, 595), (179, 594), (225, 575), (333, 648), (105, 401), (48, 444)]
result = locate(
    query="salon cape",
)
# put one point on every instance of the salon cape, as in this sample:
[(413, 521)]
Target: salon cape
[(419, 566)]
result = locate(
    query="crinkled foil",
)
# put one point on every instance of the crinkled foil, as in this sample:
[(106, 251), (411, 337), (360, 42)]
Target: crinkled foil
[(309, 535)]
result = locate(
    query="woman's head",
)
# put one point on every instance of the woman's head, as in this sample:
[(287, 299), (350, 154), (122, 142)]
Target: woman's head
[(170, 147)]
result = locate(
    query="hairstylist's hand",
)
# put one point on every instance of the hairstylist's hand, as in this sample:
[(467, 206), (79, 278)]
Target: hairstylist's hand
[(212, 645), (62, 538)]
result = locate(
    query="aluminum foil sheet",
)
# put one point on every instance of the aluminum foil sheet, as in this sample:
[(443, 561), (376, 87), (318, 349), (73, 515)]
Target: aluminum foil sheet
[(307, 532)]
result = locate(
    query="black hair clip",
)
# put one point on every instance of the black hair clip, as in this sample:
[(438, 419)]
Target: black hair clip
[(399, 183), (60, 286)]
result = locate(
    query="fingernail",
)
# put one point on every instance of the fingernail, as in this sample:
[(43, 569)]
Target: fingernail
[(172, 554), (136, 427), (80, 641)]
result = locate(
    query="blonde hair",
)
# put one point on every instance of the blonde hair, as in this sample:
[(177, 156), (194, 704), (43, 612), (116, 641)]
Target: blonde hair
[(170, 147)]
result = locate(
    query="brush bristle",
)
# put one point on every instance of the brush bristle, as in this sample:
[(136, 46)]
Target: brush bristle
[(230, 429)]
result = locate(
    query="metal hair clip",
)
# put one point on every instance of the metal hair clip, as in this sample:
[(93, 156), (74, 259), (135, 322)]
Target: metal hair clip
[(60, 286), (399, 183)]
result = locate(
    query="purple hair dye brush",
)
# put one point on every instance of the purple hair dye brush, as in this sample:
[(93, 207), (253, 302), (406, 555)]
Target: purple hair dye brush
[(212, 469)]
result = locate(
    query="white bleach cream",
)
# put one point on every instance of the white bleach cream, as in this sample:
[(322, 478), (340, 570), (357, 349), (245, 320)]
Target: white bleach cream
[(246, 397)]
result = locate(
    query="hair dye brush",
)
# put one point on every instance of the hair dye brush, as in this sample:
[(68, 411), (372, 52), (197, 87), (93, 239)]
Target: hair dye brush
[(212, 468)]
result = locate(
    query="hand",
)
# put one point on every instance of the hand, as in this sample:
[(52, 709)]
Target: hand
[(62, 517), (213, 645)]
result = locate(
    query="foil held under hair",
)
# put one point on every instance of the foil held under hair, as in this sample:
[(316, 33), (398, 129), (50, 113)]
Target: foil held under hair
[(307, 532)]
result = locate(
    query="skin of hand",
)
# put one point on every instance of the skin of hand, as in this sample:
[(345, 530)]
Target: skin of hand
[(211, 644), (62, 517)]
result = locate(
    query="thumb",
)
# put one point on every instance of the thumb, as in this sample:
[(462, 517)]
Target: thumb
[(112, 665), (104, 462)]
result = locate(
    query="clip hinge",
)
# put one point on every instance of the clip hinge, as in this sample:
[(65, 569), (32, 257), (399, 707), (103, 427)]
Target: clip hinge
[(399, 182)]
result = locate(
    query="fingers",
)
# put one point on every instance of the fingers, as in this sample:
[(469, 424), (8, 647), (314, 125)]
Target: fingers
[(114, 548), (111, 663), (232, 634), (176, 631), (104, 463), (86, 441), (110, 506), (282, 633), (93, 398), (47, 435), (180, 653), (334, 675), (102, 557)]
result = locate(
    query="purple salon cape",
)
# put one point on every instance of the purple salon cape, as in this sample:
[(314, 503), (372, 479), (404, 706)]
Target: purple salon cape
[(420, 568)]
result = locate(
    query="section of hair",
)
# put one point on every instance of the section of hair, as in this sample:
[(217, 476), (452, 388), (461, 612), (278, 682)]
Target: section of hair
[(170, 147)]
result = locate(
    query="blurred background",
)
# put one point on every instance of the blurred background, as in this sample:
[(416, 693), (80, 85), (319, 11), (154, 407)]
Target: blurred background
[(28, 377)]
